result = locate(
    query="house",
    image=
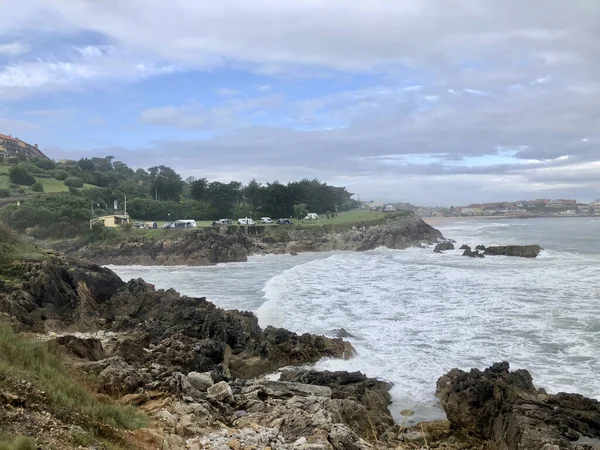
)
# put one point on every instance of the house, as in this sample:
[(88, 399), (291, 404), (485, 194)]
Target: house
[(114, 220), (12, 146)]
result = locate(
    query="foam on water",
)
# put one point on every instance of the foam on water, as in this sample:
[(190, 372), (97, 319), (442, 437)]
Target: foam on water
[(416, 314)]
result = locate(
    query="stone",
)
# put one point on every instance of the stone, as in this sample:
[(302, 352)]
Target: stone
[(503, 407), (443, 246), (523, 251), (200, 381), (220, 391), (234, 444), (89, 349)]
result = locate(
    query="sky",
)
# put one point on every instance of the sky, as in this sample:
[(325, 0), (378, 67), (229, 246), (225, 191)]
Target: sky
[(432, 102)]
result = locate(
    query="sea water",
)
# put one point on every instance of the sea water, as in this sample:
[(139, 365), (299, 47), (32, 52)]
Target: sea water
[(414, 314)]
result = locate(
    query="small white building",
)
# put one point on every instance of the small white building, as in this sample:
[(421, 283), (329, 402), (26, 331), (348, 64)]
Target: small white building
[(312, 216)]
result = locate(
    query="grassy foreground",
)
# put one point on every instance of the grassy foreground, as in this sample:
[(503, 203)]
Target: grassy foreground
[(32, 361)]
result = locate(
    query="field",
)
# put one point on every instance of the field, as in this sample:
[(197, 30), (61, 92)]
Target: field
[(51, 185)]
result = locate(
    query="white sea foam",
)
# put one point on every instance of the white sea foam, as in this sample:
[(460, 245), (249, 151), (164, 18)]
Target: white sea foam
[(415, 314)]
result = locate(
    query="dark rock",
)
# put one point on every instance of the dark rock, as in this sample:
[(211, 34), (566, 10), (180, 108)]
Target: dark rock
[(465, 247), (480, 247), (523, 251), (505, 408), (443, 246), (342, 333), (473, 254), (88, 349)]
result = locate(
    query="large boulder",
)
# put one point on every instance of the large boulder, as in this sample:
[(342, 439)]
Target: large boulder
[(89, 349), (506, 409), (523, 251)]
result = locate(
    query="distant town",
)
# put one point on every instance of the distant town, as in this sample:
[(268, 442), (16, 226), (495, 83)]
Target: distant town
[(531, 208)]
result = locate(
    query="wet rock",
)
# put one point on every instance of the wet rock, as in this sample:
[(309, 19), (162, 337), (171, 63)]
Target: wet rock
[(523, 251), (464, 247), (342, 334), (473, 254), (480, 247), (443, 246), (505, 408)]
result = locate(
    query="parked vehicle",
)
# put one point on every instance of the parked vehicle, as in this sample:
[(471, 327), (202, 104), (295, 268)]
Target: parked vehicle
[(185, 224), (245, 221), (221, 222), (312, 216), (266, 220), (284, 222), (139, 225), (167, 225)]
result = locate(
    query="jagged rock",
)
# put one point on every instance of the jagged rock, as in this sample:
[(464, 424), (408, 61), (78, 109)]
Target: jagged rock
[(342, 333), (523, 251), (505, 408), (118, 378), (480, 247), (443, 246), (464, 247), (89, 349), (220, 391), (201, 381), (373, 394), (473, 254), (285, 389)]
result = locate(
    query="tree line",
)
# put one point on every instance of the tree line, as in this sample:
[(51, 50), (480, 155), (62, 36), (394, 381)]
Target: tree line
[(159, 193)]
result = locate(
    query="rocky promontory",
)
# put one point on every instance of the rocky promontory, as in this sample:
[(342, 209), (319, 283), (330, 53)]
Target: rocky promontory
[(205, 246)]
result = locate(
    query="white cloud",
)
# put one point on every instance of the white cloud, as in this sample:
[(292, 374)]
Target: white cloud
[(91, 64), (13, 49)]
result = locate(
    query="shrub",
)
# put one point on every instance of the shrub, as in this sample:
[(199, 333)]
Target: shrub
[(37, 187), (18, 443), (60, 175), (4, 193), (13, 160), (46, 164), (14, 186), (19, 175), (75, 182)]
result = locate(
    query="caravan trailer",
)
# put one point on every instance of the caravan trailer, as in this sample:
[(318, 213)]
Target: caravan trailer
[(185, 224)]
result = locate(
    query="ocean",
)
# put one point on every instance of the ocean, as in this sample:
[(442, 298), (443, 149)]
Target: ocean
[(415, 314)]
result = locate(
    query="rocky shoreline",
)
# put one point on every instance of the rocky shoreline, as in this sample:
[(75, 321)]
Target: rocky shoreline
[(208, 246), (202, 376)]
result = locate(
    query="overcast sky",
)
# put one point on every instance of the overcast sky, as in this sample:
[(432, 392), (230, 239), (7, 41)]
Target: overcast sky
[(433, 102)]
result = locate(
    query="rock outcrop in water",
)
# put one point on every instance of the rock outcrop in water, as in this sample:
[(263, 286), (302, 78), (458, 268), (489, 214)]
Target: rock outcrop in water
[(523, 251), (443, 246), (505, 409)]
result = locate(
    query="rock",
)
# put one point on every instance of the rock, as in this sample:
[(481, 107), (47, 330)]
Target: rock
[(480, 247), (464, 247), (505, 408), (523, 251), (286, 389), (201, 381), (342, 333), (119, 378), (220, 391), (83, 348), (473, 254), (443, 246)]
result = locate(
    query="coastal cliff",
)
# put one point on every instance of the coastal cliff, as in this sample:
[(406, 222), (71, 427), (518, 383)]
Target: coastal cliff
[(205, 246)]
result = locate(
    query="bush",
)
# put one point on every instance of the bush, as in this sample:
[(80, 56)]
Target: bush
[(75, 182), (46, 164), (37, 187), (13, 160), (14, 186), (60, 175), (18, 443), (4, 193), (19, 175)]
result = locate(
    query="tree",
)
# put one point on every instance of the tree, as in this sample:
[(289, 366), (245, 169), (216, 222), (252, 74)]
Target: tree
[(73, 182), (199, 189), (166, 183), (223, 197), (37, 187), (300, 211), (19, 175)]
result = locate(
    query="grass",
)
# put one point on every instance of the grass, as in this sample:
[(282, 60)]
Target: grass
[(11, 248), (32, 361), (18, 443), (51, 185)]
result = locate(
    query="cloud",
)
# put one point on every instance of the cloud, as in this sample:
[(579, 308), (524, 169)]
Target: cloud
[(13, 49), (79, 67), (419, 93)]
